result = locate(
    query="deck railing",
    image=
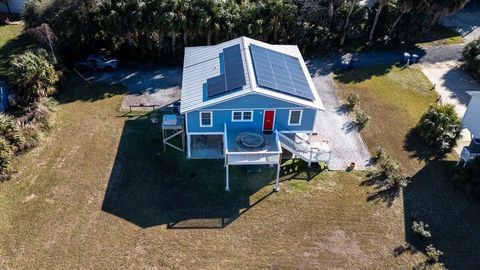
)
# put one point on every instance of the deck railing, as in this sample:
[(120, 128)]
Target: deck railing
[(308, 154)]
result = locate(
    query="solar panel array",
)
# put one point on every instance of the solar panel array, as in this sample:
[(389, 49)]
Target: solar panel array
[(232, 77), (280, 72)]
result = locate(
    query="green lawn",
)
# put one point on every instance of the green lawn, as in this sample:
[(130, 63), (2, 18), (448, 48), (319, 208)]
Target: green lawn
[(441, 35), (100, 193), (396, 99)]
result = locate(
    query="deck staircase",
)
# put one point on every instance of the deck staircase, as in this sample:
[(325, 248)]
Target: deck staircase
[(303, 150)]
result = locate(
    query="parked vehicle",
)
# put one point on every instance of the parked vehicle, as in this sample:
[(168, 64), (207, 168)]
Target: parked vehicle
[(97, 62)]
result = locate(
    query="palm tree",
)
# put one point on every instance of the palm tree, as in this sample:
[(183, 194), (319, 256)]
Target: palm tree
[(440, 125), (404, 7), (353, 4), (381, 5)]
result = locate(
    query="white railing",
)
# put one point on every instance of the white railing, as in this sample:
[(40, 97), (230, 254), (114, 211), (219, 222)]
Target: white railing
[(304, 152), (467, 156), (252, 158)]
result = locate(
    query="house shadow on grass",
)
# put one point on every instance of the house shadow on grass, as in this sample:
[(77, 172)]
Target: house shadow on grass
[(150, 187), (453, 216)]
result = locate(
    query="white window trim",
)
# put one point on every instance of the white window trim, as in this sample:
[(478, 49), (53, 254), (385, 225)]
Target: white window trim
[(290, 118), (211, 118), (242, 116)]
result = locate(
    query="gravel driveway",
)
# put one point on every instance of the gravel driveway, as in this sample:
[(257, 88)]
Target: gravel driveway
[(147, 86), (334, 124)]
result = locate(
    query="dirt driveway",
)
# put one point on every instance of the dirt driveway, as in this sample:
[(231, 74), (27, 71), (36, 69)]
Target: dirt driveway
[(147, 85)]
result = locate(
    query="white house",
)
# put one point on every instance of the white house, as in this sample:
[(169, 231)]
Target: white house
[(471, 121)]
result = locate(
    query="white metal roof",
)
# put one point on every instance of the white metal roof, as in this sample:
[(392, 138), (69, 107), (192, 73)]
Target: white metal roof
[(471, 120), (201, 63)]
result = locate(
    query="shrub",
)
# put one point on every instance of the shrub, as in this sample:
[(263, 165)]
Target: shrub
[(352, 100), (471, 55), (33, 75), (440, 126), (388, 164), (421, 229), (399, 181), (379, 154), (433, 254), (361, 119), (10, 132), (6, 155)]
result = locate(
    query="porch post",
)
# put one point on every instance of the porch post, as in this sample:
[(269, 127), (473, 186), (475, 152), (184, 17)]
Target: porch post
[(189, 154), (277, 187), (227, 186), (309, 137)]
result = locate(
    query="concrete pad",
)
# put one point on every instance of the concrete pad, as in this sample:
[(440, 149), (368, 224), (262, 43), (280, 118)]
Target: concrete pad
[(335, 126), (147, 86), (452, 84)]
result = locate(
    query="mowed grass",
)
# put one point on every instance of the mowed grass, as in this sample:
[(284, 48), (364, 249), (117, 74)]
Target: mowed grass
[(101, 193), (441, 35), (396, 98), (12, 41)]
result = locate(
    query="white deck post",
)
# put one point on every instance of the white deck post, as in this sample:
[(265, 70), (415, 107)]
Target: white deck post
[(277, 186), (309, 137), (189, 153), (227, 186)]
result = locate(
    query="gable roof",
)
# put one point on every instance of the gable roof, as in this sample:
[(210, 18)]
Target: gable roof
[(202, 63), (470, 119)]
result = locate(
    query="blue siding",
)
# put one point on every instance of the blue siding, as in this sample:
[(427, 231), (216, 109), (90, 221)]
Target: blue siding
[(257, 103)]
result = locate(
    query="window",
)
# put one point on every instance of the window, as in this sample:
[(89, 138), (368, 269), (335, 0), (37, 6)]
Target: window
[(205, 119), (242, 116), (295, 118)]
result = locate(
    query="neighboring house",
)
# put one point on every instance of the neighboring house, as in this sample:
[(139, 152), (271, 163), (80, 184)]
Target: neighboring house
[(471, 121), (15, 6), (244, 100)]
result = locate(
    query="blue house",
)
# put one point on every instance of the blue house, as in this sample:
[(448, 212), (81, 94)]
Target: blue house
[(247, 102)]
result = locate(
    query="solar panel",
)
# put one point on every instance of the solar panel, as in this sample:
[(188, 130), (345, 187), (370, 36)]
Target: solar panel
[(235, 77), (216, 85), (232, 76), (280, 72)]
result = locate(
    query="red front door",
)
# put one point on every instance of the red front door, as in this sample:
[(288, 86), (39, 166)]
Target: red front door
[(268, 118)]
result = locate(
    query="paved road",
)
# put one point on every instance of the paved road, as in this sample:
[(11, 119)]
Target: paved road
[(466, 22)]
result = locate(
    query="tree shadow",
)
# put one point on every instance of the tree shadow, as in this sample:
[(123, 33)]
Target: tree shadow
[(361, 74), (149, 187), (385, 192), (76, 89), (417, 148), (453, 216), (458, 82)]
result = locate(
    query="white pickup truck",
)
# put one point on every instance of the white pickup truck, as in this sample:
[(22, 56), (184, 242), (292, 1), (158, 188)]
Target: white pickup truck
[(97, 62)]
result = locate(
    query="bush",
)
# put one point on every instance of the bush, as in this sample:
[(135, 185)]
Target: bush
[(398, 181), (352, 100), (433, 254), (6, 155), (421, 229), (10, 132), (471, 55), (33, 75), (361, 119), (387, 163), (440, 126)]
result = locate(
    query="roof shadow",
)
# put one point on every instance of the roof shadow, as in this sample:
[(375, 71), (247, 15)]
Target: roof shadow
[(149, 187), (453, 216)]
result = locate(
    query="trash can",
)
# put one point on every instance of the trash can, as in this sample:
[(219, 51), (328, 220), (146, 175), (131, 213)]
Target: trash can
[(414, 58), (406, 58), (344, 65)]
